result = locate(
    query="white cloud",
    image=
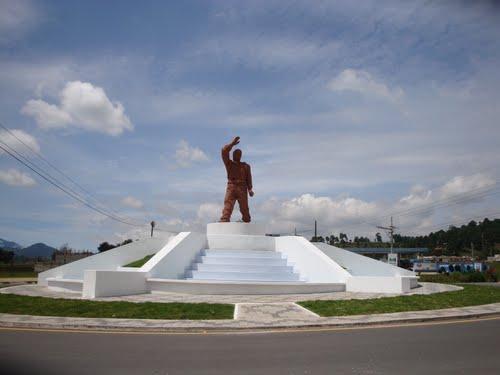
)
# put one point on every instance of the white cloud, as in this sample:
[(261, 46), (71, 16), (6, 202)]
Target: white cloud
[(47, 116), (13, 177), (209, 212), (463, 184), (186, 155), (303, 210), (132, 202), (13, 139), (364, 83), (414, 212), (16, 18), (417, 197), (269, 52), (82, 105)]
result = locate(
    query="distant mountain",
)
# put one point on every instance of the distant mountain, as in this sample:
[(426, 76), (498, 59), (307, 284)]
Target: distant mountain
[(37, 250), (4, 244)]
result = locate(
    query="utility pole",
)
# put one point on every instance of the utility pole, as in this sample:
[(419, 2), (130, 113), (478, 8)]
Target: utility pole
[(295, 231), (472, 249), (390, 231), (152, 227), (315, 230)]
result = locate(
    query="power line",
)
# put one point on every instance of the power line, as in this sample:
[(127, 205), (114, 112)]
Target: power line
[(458, 198), (41, 157), (461, 221), (418, 210), (63, 189)]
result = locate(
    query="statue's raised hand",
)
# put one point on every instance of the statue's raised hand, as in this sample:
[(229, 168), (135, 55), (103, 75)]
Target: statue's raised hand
[(235, 141)]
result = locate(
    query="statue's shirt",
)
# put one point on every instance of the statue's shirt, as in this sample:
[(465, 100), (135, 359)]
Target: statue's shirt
[(237, 173)]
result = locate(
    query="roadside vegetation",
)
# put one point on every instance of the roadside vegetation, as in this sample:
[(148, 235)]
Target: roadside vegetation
[(25, 305), (140, 262), (490, 275), (471, 295), (16, 270)]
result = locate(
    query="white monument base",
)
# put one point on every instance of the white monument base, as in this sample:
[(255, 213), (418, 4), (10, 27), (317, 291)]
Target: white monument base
[(230, 258), (236, 228)]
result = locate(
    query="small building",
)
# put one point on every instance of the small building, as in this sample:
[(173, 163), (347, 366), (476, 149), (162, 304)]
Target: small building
[(494, 258)]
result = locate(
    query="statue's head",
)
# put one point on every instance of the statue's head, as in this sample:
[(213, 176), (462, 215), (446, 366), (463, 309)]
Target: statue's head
[(237, 155)]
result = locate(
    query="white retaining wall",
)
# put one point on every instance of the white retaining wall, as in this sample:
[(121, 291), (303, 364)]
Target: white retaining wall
[(225, 287), (370, 275), (360, 265), (171, 261), (309, 261), (108, 260), (102, 283), (380, 284)]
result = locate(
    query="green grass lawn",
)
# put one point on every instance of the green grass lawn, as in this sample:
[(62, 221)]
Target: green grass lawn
[(140, 262), (471, 295), (25, 305)]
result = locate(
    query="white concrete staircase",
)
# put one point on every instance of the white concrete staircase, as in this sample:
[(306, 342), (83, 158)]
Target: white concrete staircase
[(243, 266)]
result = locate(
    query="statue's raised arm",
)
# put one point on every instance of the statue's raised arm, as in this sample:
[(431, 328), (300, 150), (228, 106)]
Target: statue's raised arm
[(227, 149)]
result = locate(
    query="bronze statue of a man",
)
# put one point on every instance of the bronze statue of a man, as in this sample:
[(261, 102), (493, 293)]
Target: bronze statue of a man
[(239, 183)]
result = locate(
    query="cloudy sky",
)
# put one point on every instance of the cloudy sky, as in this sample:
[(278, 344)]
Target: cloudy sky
[(347, 111)]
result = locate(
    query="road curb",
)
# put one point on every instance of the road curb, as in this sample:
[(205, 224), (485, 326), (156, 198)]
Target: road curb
[(11, 321)]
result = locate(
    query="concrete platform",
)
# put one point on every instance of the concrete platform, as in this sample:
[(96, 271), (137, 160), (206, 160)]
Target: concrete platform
[(236, 288)]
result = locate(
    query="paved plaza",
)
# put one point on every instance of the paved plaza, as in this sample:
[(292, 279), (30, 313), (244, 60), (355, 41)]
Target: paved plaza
[(42, 291)]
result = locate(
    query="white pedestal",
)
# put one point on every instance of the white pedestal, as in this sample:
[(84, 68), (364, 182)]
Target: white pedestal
[(236, 228)]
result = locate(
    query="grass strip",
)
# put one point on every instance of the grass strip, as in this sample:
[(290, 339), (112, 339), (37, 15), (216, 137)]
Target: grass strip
[(140, 262), (471, 295), (26, 305)]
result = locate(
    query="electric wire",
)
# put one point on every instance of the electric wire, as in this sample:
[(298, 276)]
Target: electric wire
[(64, 189), (41, 157)]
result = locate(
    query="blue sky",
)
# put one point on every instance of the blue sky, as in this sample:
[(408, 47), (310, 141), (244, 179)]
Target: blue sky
[(347, 111)]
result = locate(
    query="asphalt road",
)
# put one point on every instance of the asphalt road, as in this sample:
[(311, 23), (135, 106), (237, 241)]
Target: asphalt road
[(451, 348)]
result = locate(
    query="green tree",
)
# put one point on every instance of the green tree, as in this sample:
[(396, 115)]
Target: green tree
[(6, 256), (105, 246)]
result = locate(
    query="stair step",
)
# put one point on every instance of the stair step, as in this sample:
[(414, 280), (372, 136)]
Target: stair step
[(243, 261), (242, 253), (250, 276), (277, 269)]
